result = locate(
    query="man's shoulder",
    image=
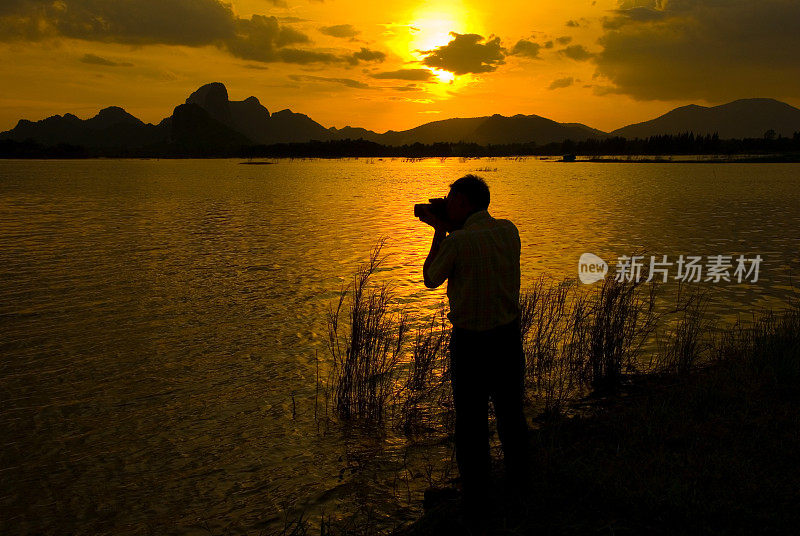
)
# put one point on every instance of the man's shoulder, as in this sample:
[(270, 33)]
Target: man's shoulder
[(503, 223), (490, 225)]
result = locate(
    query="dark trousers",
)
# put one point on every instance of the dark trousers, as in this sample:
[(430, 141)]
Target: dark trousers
[(483, 365)]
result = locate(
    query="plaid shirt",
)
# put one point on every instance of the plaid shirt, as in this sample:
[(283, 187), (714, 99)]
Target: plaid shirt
[(481, 262)]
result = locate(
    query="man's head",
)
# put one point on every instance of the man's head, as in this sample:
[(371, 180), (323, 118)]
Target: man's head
[(467, 195)]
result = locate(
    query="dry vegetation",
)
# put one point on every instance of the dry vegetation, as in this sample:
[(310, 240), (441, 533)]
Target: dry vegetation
[(692, 428)]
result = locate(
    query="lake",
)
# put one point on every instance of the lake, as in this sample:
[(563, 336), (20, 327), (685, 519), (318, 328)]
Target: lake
[(162, 321)]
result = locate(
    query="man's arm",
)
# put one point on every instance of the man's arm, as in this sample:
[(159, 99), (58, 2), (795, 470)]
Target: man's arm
[(441, 258), (438, 236)]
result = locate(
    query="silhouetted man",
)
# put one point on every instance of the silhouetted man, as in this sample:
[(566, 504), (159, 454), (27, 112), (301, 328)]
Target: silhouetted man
[(480, 259)]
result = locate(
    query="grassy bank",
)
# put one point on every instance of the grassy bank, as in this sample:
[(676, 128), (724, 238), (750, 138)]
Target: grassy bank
[(646, 417), (708, 451)]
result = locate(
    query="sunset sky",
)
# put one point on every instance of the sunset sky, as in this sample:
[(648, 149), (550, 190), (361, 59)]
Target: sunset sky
[(397, 64)]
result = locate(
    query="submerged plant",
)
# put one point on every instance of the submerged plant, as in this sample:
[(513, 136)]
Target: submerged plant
[(365, 340)]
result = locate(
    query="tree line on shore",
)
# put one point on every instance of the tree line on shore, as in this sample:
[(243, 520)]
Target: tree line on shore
[(667, 144)]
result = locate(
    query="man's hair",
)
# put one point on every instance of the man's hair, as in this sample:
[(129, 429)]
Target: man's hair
[(475, 189)]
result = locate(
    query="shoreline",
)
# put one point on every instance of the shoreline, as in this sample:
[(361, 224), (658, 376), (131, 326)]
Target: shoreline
[(771, 159), (792, 158)]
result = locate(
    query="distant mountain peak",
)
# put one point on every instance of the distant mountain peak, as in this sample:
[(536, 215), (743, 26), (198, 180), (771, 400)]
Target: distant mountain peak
[(113, 110), (742, 118), (112, 115), (210, 118), (213, 98), (754, 100), (286, 112), (213, 92), (111, 127), (690, 107)]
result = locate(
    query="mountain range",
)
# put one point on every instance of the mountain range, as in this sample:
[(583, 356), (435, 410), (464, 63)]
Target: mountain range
[(209, 118)]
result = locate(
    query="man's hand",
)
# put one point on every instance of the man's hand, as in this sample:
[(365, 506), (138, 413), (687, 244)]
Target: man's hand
[(433, 220)]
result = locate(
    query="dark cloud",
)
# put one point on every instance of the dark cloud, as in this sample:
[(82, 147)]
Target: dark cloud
[(178, 22), (548, 44), (93, 59), (708, 49), (291, 19), (576, 52), (347, 82), (170, 22), (408, 87), (635, 4), (604, 90), (421, 75), (572, 23), (250, 50), (526, 48), (304, 57), (260, 38), (465, 54), (564, 40), (365, 55), (561, 83), (340, 30), (639, 13)]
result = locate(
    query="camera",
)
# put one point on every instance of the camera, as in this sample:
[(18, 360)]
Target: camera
[(438, 208)]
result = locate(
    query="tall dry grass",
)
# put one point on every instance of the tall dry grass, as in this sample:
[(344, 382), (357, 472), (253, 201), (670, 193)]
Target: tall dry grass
[(581, 340), (553, 332), (688, 340), (365, 340), (767, 348), (622, 315), (577, 340), (426, 391)]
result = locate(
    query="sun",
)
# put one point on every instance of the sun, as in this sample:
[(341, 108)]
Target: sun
[(429, 26), (445, 77), (431, 29)]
